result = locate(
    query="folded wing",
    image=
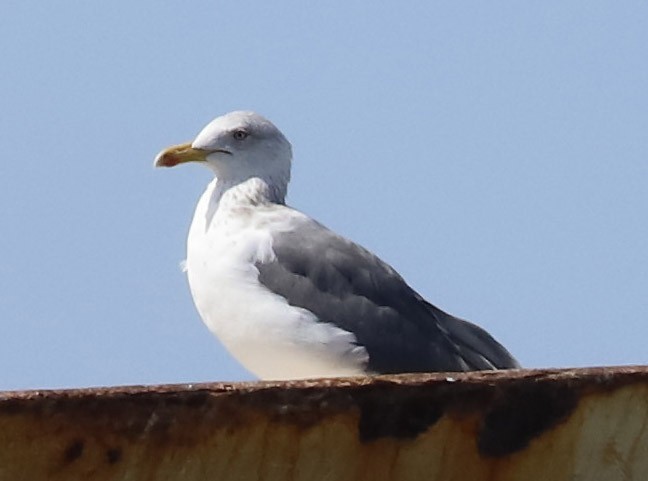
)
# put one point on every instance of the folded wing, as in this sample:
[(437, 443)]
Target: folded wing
[(346, 285)]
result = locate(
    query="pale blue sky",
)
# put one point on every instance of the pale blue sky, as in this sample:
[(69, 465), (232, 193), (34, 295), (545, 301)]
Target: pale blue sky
[(495, 153)]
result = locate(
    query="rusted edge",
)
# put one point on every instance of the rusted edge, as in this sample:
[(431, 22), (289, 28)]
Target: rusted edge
[(514, 406)]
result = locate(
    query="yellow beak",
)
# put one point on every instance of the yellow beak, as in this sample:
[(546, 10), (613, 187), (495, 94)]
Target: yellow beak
[(179, 154)]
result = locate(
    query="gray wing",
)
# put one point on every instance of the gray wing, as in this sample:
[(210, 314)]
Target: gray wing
[(346, 285)]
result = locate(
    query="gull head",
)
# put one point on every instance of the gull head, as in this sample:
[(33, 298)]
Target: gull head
[(236, 146)]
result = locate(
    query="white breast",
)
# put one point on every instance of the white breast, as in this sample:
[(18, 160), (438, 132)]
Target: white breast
[(259, 328)]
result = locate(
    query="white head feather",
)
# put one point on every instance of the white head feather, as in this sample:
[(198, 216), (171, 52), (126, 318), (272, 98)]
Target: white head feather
[(245, 145)]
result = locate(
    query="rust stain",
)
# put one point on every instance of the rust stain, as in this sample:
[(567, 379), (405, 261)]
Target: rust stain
[(73, 451), (113, 455), (394, 416), (490, 416), (398, 406), (521, 413)]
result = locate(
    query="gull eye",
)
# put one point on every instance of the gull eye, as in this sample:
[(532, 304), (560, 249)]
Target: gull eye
[(240, 134)]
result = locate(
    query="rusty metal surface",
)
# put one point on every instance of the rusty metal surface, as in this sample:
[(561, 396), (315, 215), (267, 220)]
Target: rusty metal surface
[(507, 425)]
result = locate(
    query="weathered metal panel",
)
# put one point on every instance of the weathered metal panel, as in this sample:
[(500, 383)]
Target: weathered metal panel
[(581, 424)]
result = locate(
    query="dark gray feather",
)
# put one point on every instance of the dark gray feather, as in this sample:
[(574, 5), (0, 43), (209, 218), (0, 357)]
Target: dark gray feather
[(346, 285)]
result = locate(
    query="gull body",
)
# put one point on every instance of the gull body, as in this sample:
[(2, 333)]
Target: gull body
[(287, 297), (271, 338)]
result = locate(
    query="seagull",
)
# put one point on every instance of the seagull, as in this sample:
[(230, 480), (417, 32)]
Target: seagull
[(291, 299)]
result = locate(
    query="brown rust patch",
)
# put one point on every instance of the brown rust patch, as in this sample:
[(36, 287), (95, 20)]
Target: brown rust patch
[(398, 418), (11, 406), (113, 455), (345, 428), (73, 451), (514, 406), (521, 413)]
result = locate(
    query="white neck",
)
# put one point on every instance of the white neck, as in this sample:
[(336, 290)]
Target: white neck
[(238, 183), (227, 196), (252, 191), (223, 196)]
